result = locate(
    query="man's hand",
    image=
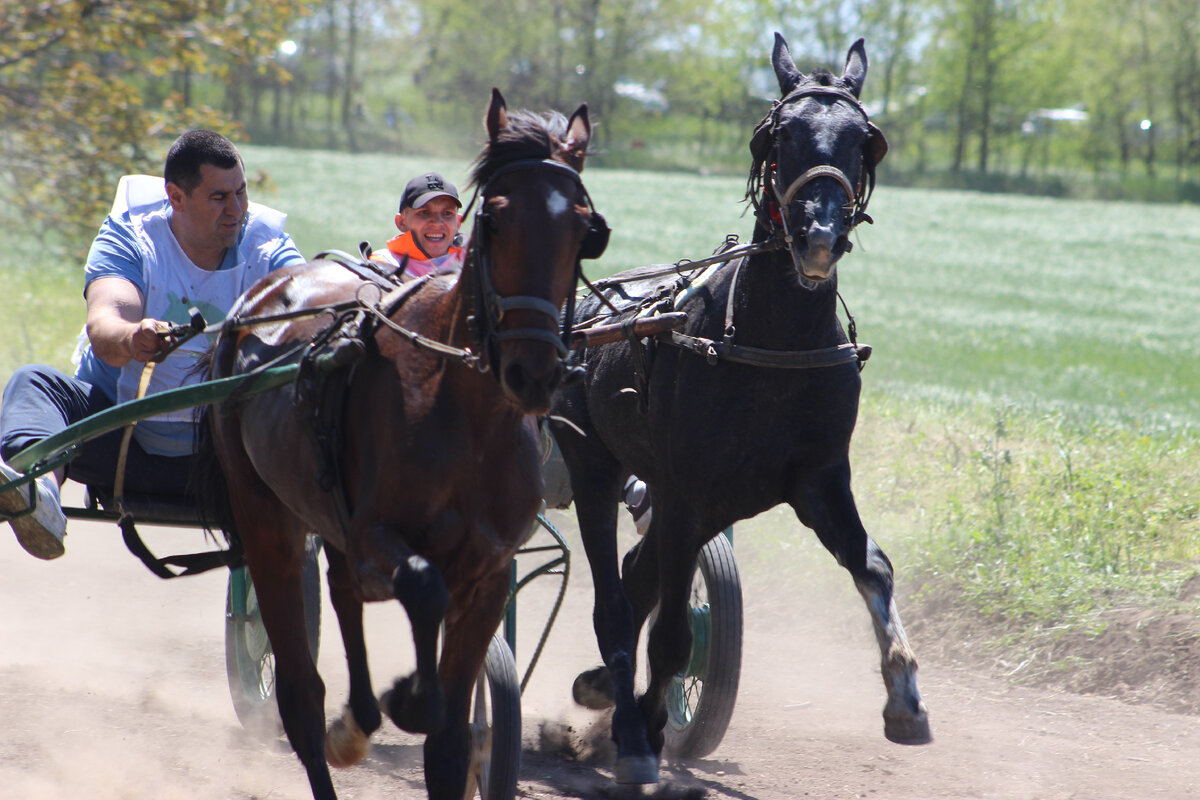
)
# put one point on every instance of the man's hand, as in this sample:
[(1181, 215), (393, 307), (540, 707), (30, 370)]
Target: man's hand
[(146, 341)]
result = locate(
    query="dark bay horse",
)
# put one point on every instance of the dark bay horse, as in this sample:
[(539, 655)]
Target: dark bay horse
[(751, 405), (418, 463)]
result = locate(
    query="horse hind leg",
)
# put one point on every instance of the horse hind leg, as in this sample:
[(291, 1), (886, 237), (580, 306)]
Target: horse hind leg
[(346, 740), (830, 511), (298, 686), (416, 702)]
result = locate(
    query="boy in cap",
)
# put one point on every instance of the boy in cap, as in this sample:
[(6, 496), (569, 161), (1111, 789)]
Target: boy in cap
[(428, 221)]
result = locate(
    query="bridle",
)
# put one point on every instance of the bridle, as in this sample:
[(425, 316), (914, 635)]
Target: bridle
[(763, 146), (489, 306)]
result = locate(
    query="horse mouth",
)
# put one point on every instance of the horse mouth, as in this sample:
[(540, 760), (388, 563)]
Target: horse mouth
[(531, 390), (816, 265)]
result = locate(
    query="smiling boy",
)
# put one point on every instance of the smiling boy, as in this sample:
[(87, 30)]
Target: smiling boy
[(428, 222)]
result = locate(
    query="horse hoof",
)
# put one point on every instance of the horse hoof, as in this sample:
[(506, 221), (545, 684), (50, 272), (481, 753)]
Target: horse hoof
[(413, 710), (636, 770), (345, 742), (593, 689), (908, 730)]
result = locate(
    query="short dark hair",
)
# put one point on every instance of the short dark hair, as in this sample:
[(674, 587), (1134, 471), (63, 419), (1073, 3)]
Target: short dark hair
[(193, 150)]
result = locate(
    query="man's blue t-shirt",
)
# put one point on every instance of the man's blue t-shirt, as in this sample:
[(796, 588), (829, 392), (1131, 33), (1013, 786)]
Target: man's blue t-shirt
[(115, 252)]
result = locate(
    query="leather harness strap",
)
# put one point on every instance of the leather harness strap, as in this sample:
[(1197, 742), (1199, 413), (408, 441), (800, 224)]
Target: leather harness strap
[(726, 350), (714, 352), (191, 563)]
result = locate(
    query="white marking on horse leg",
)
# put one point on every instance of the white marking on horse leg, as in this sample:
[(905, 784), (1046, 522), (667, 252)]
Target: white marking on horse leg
[(905, 719)]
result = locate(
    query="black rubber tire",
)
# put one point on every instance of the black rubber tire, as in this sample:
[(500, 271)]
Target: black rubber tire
[(700, 700), (249, 659), (497, 704)]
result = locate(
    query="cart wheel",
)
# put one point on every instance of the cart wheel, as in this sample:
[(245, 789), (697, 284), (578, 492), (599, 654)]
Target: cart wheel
[(249, 660), (495, 727), (700, 699)]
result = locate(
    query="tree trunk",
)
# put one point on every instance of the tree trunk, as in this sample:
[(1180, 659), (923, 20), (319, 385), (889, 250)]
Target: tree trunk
[(350, 102), (987, 38)]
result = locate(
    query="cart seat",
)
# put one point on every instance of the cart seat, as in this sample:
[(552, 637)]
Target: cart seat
[(148, 509)]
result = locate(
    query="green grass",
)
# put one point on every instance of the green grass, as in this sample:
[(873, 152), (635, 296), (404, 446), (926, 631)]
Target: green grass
[(1082, 307), (42, 299), (1028, 436)]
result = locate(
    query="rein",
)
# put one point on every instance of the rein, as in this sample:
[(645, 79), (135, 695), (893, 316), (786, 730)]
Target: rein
[(489, 306), (726, 350)]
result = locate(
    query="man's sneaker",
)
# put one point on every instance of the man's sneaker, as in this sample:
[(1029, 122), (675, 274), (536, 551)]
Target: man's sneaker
[(637, 501), (40, 532)]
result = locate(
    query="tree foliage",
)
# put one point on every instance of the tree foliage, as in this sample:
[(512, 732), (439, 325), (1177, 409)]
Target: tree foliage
[(972, 88), (91, 89)]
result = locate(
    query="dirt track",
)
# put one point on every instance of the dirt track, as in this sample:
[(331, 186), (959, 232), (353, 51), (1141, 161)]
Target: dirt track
[(114, 687)]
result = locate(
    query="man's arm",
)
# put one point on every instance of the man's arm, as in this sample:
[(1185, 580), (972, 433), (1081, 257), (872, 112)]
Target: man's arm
[(115, 326)]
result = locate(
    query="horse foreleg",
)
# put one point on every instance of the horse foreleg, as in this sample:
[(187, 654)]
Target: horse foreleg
[(346, 741), (469, 630), (612, 617), (905, 720), (829, 510), (416, 702)]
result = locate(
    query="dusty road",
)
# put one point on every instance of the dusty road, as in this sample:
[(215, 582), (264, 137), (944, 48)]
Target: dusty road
[(114, 688)]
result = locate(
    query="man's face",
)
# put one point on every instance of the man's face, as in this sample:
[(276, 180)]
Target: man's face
[(433, 225), (211, 216)]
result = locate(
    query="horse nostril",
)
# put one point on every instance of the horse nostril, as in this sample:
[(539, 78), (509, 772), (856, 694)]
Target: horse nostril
[(820, 237), (516, 379)]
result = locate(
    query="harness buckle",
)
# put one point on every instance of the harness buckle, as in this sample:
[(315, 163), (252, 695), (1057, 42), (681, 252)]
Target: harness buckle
[(710, 354)]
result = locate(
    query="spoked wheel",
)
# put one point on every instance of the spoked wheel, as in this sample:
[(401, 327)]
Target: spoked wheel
[(249, 659), (495, 727), (700, 699)]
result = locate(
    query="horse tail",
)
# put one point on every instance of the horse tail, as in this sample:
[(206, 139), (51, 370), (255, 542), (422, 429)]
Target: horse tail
[(207, 476)]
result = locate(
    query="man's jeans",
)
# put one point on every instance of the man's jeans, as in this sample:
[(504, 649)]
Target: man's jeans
[(40, 401)]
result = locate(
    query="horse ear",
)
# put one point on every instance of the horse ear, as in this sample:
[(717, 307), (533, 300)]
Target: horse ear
[(579, 133), (785, 69), (497, 115), (876, 146), (855, 72)]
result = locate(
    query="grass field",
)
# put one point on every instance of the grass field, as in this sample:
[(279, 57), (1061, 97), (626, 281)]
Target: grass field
[(1030, 416)]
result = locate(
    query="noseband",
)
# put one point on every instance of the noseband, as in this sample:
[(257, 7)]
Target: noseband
[(765, 141), (490, 307)]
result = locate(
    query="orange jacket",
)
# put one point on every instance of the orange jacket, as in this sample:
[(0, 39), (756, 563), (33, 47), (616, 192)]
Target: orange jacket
[(398, 247)]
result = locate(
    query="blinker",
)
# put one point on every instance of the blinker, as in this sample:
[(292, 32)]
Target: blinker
[(595, 241)]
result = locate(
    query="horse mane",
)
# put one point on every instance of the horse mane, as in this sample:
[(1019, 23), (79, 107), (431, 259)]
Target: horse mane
[(821, 77), (529, 135)]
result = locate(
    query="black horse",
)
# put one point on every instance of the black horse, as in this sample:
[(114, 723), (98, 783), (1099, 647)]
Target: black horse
[(752, 404)]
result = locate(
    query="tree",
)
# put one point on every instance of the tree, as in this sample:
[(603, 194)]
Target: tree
[(90, 89), (541, 54)]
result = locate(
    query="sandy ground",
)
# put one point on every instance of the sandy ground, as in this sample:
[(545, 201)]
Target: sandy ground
[(114, 687)]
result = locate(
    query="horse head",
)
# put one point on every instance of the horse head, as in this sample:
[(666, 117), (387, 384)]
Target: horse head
[(535, 222), (814, 161)]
